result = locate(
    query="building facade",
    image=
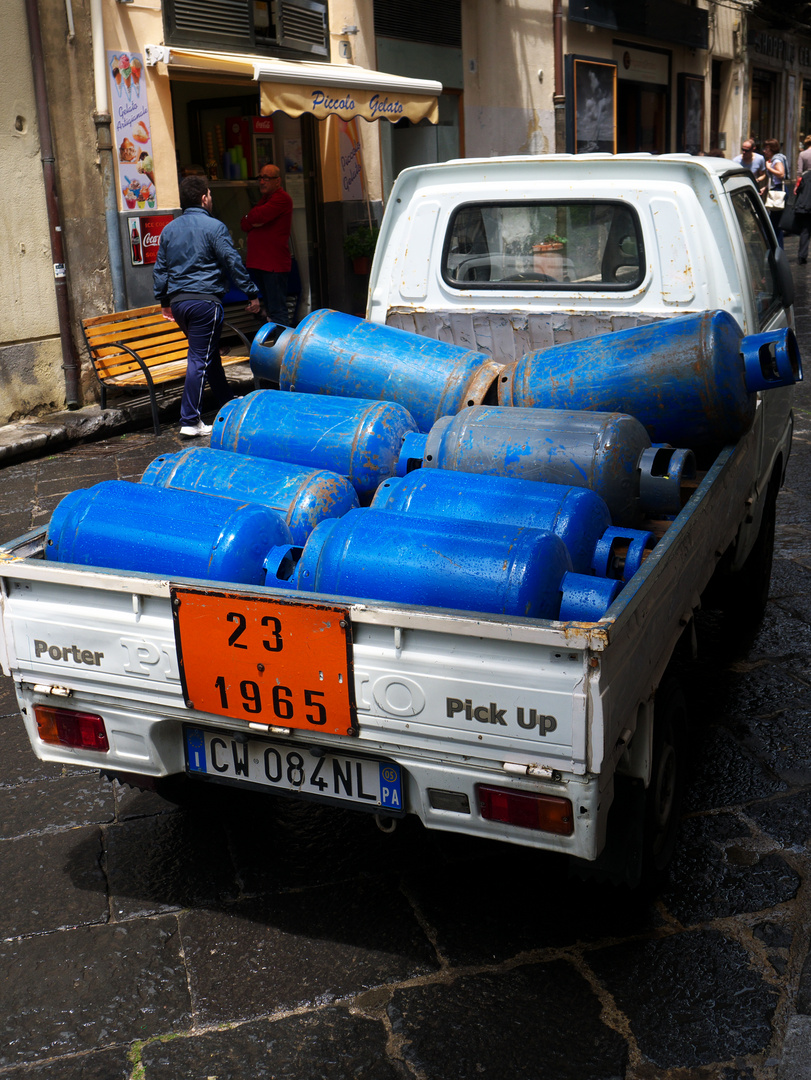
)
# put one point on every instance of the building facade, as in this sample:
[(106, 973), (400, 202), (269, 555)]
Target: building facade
[(342, 95)]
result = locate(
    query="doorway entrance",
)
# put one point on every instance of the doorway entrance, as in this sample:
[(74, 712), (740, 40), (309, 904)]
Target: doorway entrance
[(641, 117)]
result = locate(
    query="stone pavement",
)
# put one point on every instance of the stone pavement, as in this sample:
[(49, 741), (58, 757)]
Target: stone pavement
[(35, 436), (247, 936)]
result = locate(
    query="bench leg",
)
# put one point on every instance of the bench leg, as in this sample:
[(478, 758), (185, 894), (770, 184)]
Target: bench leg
[(103, 396), (153, 401)]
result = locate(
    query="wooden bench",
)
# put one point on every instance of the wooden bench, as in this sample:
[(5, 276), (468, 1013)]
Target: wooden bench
[(139, 350)]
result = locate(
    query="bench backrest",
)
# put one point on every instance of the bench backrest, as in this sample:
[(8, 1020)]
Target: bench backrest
[(144, 330)]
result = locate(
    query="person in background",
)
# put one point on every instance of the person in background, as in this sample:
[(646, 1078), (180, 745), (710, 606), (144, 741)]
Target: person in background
[(776, 172), (196, 258), (750, 159), (268, 256), (802, 214), (804, 160)]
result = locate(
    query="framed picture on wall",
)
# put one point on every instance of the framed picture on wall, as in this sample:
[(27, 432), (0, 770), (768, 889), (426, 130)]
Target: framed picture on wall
[(691, 114), (592, 112)]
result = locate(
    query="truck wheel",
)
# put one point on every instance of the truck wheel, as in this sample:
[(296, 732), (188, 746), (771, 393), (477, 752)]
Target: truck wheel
[(643, 823), (749, 589), (665, 792)]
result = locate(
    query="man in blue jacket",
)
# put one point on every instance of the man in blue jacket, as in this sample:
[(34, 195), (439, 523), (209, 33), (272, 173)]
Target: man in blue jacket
[(196, 257)]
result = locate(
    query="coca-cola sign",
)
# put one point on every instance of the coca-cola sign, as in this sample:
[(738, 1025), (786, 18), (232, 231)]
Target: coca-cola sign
[(151, 229)]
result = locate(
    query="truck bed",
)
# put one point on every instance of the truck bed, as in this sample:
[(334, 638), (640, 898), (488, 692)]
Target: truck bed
[(438, 692)]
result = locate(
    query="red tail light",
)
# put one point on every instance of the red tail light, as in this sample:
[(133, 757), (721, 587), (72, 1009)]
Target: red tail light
[(63, 727), (545, 813)]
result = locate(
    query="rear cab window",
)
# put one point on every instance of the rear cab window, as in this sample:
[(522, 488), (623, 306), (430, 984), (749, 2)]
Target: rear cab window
[(565, 245), (758, 247)]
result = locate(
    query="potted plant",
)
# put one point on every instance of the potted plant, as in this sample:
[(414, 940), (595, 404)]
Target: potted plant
[(551, 242), (547, 255), (359, 246)]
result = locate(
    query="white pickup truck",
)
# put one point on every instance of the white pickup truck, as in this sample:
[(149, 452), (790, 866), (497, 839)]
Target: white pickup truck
[(522, 730)]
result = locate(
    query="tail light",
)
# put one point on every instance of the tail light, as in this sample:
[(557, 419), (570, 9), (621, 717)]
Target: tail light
[(64, 727), (527, 809)]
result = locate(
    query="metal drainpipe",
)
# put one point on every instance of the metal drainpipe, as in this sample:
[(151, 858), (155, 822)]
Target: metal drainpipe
[(69, 364), (104, 147), (559, 98)]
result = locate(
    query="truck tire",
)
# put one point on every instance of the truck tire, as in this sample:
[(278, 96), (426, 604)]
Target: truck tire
[(748, 590), (643, 822), (665, 793)]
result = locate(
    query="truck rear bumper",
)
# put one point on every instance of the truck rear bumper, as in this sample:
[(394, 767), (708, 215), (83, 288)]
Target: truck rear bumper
[(445, 795)]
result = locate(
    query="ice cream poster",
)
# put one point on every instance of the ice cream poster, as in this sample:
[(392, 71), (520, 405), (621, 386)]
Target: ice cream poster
[(131, 132)]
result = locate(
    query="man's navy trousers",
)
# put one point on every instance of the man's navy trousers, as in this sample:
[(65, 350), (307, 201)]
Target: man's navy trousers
[(201, 321)]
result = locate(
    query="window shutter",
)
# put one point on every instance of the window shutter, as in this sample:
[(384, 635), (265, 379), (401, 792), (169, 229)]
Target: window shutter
[(302, 25), (207, 18), (298, 26)]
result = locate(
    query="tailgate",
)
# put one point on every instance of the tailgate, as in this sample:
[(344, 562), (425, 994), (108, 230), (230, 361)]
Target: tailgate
[(427, 682)]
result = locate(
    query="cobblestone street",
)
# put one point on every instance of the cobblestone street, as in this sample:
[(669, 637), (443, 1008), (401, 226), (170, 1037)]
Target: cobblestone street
[(249, 936)]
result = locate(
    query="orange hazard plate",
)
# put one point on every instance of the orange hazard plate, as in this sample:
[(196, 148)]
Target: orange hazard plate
[(267, 661)]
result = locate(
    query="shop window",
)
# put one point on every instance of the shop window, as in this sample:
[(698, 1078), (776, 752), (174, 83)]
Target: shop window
[(287, 27)]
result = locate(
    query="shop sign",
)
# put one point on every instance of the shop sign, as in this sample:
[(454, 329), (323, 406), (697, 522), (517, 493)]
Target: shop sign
[(351, 161), (132, 136), (151, 228), (341, 161), (346, 102), (776, 48), (145, 233), (641, 65)]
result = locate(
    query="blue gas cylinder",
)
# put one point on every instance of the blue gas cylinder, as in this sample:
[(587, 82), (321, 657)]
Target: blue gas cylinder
[(464, 565), (126, 526), (467, 565), (690, 380), (578, 516), (610, 453), (333, 353), (358, 439), (302, 496)]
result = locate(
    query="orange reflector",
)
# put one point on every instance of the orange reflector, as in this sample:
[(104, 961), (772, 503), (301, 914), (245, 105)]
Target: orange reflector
[(546, 813), (63, 727)]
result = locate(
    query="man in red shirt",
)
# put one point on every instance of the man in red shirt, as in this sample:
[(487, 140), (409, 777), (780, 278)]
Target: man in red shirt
[(268, 229)]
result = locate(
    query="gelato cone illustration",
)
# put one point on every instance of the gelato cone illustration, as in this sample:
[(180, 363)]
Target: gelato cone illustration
[(145, 165), (135, 67), (117, 77), (126, 72)]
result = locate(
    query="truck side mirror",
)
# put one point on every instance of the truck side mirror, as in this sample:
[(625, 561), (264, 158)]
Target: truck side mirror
[(782, 274)]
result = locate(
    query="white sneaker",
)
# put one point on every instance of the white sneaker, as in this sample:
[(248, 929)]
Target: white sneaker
[(193, 430)]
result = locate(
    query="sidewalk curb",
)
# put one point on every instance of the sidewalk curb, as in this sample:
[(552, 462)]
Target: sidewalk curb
[(33, 438), (36, 436)]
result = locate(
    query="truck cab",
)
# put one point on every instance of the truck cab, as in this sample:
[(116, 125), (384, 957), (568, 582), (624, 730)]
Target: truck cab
[(513, 255)]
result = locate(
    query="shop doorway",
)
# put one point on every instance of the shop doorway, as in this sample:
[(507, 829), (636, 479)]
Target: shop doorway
[(226, 138), (642, 111)]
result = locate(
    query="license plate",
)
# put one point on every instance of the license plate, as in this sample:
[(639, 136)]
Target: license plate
[(363, 782), (268, 661)]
